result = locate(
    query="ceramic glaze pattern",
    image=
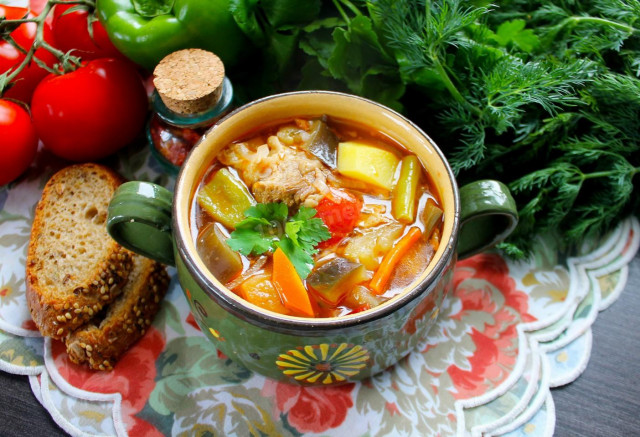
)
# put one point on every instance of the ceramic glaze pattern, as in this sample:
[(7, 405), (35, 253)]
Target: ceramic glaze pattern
[(323, 363), (386, 340)]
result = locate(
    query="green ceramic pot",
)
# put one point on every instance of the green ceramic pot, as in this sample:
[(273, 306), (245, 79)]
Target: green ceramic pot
[(150, 220)]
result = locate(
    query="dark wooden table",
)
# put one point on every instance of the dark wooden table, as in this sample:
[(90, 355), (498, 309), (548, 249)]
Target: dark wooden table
[(604, 401)]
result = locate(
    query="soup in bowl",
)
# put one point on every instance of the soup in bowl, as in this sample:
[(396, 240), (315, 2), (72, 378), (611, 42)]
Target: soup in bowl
[(316, 217), (314, 234)]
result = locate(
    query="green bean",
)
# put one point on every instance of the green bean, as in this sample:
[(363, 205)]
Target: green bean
[(404, 193)]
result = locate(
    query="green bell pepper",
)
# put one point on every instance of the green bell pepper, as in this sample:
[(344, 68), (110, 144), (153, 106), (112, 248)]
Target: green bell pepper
[(147, 30)]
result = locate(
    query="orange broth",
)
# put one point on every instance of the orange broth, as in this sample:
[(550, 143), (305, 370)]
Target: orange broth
[(413, 263)]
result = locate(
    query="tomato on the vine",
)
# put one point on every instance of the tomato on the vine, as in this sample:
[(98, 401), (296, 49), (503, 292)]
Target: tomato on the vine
[(71, 32), (37, 6), (11, 57), (19, 141), (91, 112)]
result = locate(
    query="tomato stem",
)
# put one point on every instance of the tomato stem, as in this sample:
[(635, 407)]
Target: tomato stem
[(44, 66), (15, 44), (67, 61), (16, 22)]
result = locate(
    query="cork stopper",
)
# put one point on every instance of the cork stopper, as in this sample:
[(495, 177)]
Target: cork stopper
[(189, 81)]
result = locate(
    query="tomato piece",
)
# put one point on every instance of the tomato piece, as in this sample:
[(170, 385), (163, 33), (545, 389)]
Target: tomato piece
[(11, 57), (91, 112), (19, 141), (340, 211), (71, 32)]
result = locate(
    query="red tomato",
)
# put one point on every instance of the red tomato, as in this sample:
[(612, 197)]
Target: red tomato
[(71, 32), (91, 112), (340, 211), (19, 141), (37, 6), (11, 57)]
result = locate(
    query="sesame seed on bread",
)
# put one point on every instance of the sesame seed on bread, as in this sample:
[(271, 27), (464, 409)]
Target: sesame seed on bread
[(74, 268), (102, 342)]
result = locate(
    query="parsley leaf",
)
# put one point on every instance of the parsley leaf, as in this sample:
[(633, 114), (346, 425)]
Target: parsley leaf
[(268, 226), (300, 258), (313, 232), (268, 211), (249, 239)]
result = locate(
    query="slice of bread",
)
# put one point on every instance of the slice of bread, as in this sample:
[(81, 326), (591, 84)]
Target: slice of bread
[(102, 342), (74, 268)]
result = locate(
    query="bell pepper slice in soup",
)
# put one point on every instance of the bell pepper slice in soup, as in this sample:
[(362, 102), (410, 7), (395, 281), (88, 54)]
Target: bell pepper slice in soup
[(374, 198)]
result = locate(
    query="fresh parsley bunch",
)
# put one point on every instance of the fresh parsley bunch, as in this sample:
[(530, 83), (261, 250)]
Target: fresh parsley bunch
[(268, 226)]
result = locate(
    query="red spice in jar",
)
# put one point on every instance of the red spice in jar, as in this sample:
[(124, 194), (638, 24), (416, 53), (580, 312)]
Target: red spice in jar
[(174, 143)]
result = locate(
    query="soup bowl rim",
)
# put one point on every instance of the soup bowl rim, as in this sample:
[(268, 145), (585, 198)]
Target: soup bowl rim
[(237, 306)]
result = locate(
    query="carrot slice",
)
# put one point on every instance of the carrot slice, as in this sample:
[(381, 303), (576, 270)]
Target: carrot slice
[(286, 280), (391, 259)]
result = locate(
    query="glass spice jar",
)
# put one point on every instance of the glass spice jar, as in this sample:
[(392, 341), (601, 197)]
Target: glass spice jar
[(191, 94)]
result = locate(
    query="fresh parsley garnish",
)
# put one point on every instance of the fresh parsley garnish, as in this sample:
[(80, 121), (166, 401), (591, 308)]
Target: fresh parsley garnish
[(268, 226)]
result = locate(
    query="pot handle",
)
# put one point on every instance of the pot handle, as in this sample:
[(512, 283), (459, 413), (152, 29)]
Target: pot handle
[(488, 214), (139, 218)]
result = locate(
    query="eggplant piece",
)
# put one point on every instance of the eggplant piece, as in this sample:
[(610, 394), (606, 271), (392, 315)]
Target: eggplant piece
[(323, 144), (431, 216), (333, 279), (219, 258), (225, 198)]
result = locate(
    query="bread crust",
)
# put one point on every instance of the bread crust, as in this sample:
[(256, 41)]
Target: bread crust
[(101, 343), (56, 315)]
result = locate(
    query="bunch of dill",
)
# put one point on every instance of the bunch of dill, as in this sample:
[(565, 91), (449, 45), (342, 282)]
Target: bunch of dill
[(542, 95)]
